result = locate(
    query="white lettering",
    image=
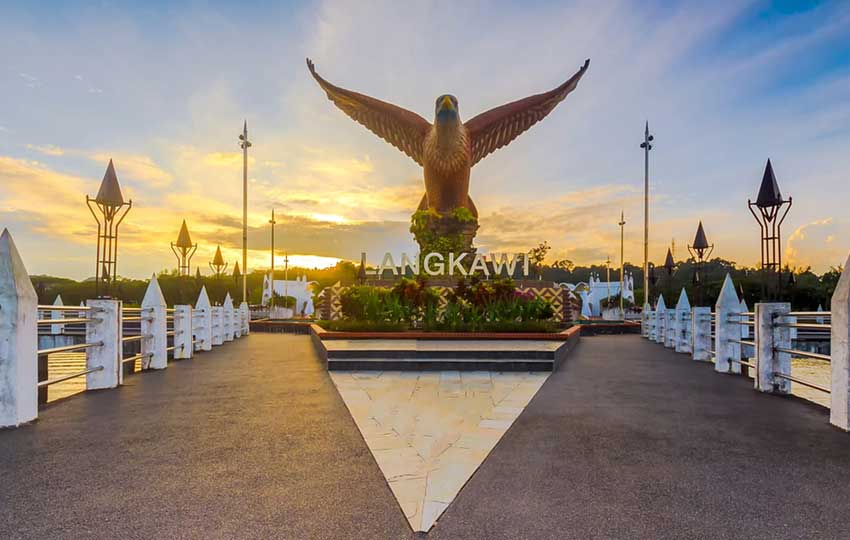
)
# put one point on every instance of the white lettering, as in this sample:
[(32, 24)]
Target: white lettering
[(440, 267), (478, 265), (388, 263), (455, 264), (407, 262)]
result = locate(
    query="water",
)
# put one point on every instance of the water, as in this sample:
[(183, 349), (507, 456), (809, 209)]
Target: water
[(60, 364)]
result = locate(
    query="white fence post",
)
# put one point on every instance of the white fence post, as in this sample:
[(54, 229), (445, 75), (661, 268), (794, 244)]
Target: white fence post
[(202, 325), (105, 327), (683, 323), (769, 361), (701, 333), (727, 353), (57, 329), (670, 330), (746, 350), (18, 338), (154, 324), (660, 316), (182, 332), (236, 318), (217, 325), (644, 320), (245, 313), (839, 412), (227, 317)]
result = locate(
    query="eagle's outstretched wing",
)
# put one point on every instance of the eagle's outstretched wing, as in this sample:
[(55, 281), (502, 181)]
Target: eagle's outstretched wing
[(401, 128), (495, 128)]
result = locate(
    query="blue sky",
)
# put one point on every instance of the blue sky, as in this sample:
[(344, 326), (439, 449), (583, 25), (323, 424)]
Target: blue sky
[(163, 87)]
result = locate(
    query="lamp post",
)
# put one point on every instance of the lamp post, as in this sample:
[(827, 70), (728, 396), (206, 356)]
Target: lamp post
[(218, 265), (700, 250), (183, 249), (647, 146), (622, 265), (669, 266), (245, 144), (109, 214), (608, 279), (772, 209), (271, 298)]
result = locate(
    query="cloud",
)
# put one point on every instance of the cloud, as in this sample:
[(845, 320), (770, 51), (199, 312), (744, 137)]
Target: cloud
[(47, 149), (137, 167), (723, 90), (814, 241)]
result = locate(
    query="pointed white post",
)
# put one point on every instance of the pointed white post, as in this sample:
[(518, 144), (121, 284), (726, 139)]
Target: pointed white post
[(660, 319), (644, 320), (217, 325), (245, 312), (154, 328), (18, 338), (57, 329), (182, 332), (839, 412), (227, 318), (683, 323), (106, 359), (701, 333), (768, 336), (202, 323), (727, 332)]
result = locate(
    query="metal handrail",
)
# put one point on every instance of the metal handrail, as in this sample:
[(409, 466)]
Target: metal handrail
[(743, 363), (742, 342), (803, 382), (66, 348), (807, 326), (64, 308), (136, 357), (811, 313), (137, 337), (69, 320), (137, 319), (807, 354), (43, 384)]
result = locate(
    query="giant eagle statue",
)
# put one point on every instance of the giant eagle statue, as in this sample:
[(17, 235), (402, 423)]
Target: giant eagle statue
[(448, 148)]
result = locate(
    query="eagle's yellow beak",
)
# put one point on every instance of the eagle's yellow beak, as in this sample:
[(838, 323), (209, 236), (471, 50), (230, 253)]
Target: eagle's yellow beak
[(447, 103)]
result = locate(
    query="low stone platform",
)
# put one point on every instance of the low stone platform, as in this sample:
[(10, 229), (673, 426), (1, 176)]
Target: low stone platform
[(461, 352)]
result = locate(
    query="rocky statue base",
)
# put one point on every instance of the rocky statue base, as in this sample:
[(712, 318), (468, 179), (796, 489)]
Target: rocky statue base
[(444, 233)]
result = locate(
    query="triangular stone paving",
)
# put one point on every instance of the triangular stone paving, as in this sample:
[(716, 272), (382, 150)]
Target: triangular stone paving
[(430, 430)]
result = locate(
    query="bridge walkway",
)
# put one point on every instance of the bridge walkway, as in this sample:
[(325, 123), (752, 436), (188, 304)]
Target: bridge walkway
[(627, 440)]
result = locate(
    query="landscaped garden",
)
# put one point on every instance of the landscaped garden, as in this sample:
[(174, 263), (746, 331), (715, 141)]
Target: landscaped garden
[(473, 305)]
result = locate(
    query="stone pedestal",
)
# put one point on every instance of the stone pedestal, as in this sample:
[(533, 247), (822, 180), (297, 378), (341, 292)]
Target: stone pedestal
[(444, 233)]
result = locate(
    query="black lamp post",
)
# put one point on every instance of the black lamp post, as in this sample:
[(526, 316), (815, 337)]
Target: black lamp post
[(772, 209), (700, 250)]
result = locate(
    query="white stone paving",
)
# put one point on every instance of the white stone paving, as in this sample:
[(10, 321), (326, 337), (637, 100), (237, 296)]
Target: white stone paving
[(430, 430)]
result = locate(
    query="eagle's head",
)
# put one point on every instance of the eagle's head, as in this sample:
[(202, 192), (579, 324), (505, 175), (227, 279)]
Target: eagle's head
[(446, 109)]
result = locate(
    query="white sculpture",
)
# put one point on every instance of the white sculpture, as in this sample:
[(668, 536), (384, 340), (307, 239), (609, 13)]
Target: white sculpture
[(298, 289)]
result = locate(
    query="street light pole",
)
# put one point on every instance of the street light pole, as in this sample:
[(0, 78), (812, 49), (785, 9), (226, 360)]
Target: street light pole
[(647, 139), (608, 279), (271, 299), (245, 144), (622, 265)]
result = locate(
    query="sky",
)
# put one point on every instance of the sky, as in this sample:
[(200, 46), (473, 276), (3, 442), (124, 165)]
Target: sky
[(163, 88)]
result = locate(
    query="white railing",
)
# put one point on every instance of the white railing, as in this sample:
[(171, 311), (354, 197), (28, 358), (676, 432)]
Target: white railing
[(761, 341), (163, 334)]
